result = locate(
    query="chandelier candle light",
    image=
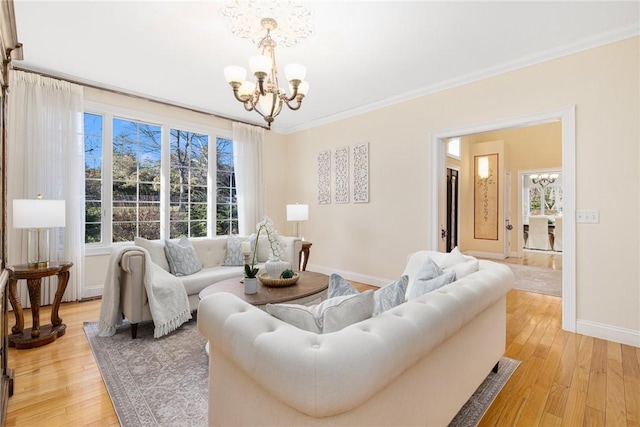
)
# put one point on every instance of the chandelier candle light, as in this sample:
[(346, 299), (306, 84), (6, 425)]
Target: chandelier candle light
[(38, 215), (265, 96), (544, 179)]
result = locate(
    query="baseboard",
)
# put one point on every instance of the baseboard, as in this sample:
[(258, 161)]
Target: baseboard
[(490, 255), (609, 333), (356, 277), (92, 292)]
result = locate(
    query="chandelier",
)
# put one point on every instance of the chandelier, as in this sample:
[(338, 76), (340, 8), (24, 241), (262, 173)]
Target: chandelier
[(265, 95), (544, 179)]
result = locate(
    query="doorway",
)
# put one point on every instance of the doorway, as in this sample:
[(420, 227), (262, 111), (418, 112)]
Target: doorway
[(453, 203), (438, 191)]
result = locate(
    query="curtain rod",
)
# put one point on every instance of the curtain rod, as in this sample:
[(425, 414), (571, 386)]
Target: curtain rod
[(131, 95)]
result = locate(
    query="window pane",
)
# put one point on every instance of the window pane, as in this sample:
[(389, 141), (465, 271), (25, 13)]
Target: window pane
[(188, 181), (93, 174), (136, 179)]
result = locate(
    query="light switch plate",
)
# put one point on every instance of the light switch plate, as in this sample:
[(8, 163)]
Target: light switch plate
[(588, 216)]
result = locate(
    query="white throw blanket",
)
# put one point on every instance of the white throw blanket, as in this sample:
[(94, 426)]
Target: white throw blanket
[(168, 299)]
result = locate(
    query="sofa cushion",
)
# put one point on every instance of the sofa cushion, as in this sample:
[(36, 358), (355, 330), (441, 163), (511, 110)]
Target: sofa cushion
[(329, 316), (210, 251), (182, 257), (234, 251), (196, 282), (156, 251), (386, 297)]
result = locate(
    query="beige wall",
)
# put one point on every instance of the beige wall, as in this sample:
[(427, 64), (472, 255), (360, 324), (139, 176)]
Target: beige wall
[(374, 239)]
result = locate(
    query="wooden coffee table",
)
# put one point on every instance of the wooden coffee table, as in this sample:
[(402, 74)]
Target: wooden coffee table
[(310, 286)]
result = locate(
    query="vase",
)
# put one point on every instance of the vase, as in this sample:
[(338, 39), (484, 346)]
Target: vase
[(250, 285), (275, 267)]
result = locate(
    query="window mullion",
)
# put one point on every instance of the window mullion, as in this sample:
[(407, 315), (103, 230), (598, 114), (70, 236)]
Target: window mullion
[(165, 171), (107, 179)]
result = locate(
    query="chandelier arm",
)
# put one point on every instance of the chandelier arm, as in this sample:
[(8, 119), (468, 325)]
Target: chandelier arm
[(296, 106)]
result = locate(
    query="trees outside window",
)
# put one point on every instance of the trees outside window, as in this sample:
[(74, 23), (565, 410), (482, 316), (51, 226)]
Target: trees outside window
[(134, 188)]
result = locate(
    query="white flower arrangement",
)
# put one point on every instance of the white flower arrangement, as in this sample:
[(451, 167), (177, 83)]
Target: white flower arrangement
[(274, 245)]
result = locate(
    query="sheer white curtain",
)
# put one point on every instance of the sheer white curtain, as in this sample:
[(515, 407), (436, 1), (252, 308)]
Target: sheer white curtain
[(45, 155), (247, 162)]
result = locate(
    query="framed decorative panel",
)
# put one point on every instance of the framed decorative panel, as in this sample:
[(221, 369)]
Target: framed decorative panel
[(324, 177), (342, 175), (485, 224), (361, 173)]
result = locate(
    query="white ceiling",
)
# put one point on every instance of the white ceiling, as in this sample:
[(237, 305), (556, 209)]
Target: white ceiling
[(362, 54)]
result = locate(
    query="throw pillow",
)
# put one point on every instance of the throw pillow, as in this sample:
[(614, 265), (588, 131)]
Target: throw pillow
[(386, 297), (182, 257), (423, 286), (234, 251), (156, 251), (452, 258), (462, 265), (428, 270), (329, 316)]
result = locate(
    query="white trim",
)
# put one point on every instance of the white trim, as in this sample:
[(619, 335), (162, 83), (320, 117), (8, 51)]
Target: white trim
[(568, 120), (609, 333), (489, 255), (632, 30), (350, 275)]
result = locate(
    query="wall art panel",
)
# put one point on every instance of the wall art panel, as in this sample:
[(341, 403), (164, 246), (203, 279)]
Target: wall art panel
[(342, 175), (324, 177), (361, 173)]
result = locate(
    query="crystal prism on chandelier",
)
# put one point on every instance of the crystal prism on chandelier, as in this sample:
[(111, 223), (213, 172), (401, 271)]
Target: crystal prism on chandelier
[(265, 95)]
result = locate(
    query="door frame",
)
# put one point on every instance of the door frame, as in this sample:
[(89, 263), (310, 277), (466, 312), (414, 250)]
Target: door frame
[(567, 117), (457, 169)]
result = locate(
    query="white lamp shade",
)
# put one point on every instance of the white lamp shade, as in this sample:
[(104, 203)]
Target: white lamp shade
[(260, 63), (297, 212), (295, 72), (38, 213), (267, 103), (234, 73), (246, 89)]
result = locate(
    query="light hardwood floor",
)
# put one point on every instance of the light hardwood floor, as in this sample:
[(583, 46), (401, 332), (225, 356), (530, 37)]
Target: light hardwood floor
[(564, 378)]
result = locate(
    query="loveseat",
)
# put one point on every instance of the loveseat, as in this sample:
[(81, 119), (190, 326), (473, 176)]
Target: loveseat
[(220, 259), (414, 364)]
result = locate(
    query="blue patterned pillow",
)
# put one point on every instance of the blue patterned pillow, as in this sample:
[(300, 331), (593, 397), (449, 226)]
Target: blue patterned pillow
[(387, 297), (182, 257), (234, 251)]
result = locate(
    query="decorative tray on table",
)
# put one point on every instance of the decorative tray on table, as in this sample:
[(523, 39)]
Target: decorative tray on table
[(274, 283)]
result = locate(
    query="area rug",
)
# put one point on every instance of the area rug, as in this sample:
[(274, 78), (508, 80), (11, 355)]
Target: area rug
[(163, 382), (537, 279), (475, 408), (154, 382)]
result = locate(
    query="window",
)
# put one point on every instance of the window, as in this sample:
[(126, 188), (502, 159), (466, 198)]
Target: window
[(453, 148), (188, 183), (226, 199), (157, 181), (93, 177), (544, 200), (136, 180)]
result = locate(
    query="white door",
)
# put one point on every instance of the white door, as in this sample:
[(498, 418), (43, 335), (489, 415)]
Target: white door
[(508, 226)]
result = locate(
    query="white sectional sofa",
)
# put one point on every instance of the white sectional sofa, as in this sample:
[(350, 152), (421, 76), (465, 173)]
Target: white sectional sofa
[(413, 365), (211, 253)]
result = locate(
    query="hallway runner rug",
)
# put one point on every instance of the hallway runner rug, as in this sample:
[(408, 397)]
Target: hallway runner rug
[(164, 382)]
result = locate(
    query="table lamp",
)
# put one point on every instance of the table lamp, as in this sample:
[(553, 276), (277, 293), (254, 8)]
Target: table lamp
[(298, 213), (38, 215)]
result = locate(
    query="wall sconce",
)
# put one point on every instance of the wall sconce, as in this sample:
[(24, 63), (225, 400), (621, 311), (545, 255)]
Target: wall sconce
[(38, 215), (483, 167), (298, 213)]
